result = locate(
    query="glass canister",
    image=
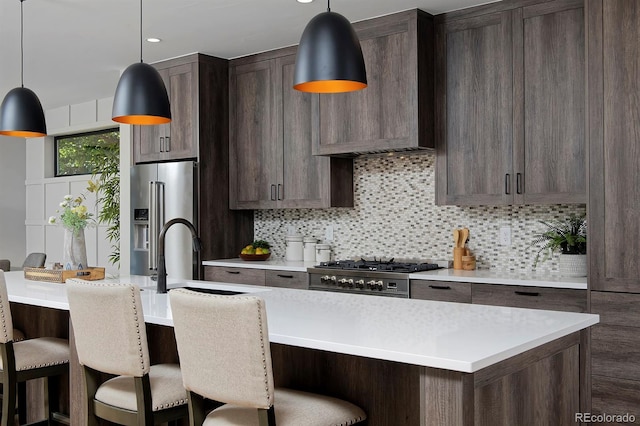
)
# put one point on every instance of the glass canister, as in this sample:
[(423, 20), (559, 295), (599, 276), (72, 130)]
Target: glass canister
[(309, 249), (294, 250), (323, 252)]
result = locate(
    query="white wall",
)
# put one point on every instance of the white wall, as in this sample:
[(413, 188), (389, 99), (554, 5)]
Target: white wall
[(44, 192), (12, 200)]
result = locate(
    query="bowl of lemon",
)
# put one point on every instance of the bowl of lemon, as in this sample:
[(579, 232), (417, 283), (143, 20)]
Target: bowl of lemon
[(257, 250)]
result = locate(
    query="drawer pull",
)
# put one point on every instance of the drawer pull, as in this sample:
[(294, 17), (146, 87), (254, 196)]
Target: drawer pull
[(285, 276), (440, 287), (233, 272), (527, 293)]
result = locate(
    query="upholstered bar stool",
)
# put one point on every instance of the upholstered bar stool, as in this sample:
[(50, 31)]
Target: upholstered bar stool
[(43, 357), (110, 337), (223, 344)]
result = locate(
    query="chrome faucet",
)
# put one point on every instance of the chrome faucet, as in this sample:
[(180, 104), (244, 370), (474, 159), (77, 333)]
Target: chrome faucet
[(162, 267)]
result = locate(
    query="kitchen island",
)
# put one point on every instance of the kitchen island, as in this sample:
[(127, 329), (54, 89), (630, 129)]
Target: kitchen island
[(406, 362)]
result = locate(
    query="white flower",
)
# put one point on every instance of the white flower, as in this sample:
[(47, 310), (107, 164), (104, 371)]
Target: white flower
[(52, 219), (63, 204), (68, 197)]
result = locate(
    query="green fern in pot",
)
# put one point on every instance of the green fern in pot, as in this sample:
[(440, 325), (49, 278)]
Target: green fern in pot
[(568, 236)]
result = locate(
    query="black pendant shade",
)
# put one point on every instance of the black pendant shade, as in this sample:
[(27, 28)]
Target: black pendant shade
[(21, 114), (329, 58), (141, 97)]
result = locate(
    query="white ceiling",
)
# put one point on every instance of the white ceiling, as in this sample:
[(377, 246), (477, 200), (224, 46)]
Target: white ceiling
[(75, 49)]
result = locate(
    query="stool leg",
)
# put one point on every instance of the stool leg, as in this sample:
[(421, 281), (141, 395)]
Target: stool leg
[(22, 403), (8, 404)]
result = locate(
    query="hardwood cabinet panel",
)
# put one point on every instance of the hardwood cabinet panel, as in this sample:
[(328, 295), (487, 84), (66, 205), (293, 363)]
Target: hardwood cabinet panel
[(616, 396), (614, 137), (287, 279), (234, 275), (510, 105), (616, 308), (444, 291), (555, 299), (395, 110), (271, 160), (148, 141), (615, 351), (474, 111), (549, 136)]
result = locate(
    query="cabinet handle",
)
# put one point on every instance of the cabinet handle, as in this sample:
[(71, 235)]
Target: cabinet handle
[(167, 147), (280, 192), (161, 144), (507, 184), (273, 192), (440, 287), (233, 272), (518, 183), (285, 276), (527, 293)]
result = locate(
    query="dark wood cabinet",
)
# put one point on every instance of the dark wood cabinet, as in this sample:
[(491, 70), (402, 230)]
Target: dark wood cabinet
[(268, 277), (443, 291), (178, 139), (552, 299), (271, 160), (287, 279), (510, 105), (395, 111)]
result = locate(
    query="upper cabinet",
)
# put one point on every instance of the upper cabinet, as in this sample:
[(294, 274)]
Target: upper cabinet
[(270, 161), (178, 139), (395, 111), (614, 141), (510, 93)]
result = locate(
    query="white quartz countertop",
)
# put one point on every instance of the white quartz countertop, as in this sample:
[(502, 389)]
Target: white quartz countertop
[(453, 336), (490, 276), (279, 265), (483, 276)]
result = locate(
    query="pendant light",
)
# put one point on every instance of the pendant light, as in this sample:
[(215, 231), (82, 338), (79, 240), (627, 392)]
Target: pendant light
[(141, 97), (21, 112), (329, 58)]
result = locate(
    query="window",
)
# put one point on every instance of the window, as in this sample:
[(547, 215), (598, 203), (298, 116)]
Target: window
[(83, 153)]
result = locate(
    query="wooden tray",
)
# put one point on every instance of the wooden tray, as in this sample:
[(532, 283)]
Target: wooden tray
[(61, 275)]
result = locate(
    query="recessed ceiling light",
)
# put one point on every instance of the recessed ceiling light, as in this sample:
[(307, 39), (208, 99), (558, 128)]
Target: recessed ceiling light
[(305, 1), (153, 40)]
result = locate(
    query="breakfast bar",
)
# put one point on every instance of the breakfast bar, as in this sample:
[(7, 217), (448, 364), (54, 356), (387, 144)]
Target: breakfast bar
[(405, 362)]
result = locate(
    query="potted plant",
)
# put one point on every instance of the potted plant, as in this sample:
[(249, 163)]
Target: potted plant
[(569, 237)]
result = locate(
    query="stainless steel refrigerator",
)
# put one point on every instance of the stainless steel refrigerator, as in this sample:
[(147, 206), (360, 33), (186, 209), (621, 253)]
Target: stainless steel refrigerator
[(159, 193)]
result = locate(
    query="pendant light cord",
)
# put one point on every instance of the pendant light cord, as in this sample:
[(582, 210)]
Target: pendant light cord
[(328, 6), (21, 44), (140, 31)]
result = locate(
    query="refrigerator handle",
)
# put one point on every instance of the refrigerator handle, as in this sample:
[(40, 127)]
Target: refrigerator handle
[(153, 226)]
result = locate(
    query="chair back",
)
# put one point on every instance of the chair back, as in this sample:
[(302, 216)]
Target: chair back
[(6, 323), (223, 345), (5, 265), (108, 326), (34, 260)]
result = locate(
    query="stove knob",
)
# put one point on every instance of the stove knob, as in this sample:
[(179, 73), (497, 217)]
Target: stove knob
[(360, 283), (343, 282), (380, 285), (371, 284), (332, 279), (350, 282), (324, 278)]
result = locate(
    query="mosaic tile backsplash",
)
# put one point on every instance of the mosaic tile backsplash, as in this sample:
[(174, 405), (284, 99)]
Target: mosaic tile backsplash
[(395, 215)]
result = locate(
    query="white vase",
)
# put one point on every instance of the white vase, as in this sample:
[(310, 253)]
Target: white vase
[(573, 265), (74, 255)]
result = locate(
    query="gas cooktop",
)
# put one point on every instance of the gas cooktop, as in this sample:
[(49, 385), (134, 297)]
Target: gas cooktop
[(379, 265)]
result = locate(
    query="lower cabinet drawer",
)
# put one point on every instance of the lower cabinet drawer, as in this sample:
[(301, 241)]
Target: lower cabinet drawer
[(234, 275), (615, 396), (554, 299), (615, 351), (287, 279), (442, 291)]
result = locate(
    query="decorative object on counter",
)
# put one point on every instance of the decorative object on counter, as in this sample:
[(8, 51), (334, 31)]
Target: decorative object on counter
[(59, 275), (74, 217), (323, 252), (21, 112), (569, 237), (329, 57), (309, 254), (141, 96), (468, 262), (258, 250), (294, 248), (460, 237)]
